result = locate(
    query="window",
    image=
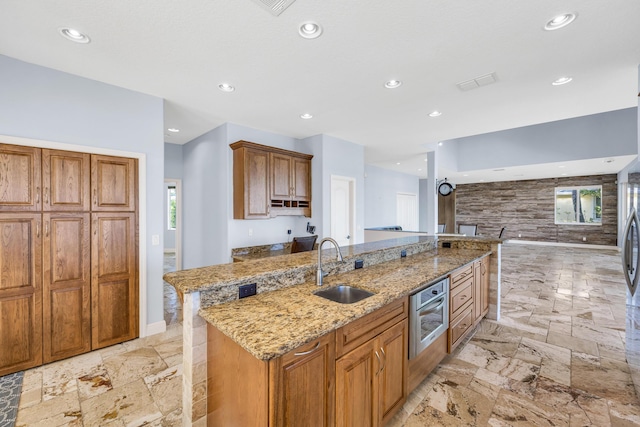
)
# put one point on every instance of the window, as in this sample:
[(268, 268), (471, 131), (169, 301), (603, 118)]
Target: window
[(579, 205), (171, 207)]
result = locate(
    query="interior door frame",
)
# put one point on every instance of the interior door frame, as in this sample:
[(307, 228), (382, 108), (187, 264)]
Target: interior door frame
[(178, 245), (352, 205)]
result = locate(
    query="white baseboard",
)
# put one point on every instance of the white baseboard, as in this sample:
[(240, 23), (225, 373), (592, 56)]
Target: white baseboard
[(567, 245), (156, 328)]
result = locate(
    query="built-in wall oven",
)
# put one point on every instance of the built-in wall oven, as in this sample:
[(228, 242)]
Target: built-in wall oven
[(429, 316)]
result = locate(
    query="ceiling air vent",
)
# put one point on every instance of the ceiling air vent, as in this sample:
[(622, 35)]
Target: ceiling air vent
[(476, 82), (276, 7)]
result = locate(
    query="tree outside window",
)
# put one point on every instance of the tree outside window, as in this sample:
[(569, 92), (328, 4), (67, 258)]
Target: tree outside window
[(579, 205), (171, 208)]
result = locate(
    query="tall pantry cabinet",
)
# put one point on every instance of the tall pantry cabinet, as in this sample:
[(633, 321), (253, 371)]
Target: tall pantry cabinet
[(68, 254)]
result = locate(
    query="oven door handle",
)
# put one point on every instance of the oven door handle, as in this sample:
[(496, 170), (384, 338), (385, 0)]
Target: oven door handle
[(437, 305)]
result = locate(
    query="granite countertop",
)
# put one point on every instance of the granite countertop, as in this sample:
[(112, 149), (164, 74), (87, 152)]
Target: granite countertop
[(259, 255), (211, 277), (270, 324)]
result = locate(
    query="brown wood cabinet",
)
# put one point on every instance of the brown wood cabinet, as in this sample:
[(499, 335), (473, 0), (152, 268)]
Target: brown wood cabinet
[(265, 187), (20, 178), (292, 390), (251, 198), (66, 180), (302, 385), (113, 183), (66, 285), (114, 279), (20, 291), (468, 299), (371, 379), (58, 297)]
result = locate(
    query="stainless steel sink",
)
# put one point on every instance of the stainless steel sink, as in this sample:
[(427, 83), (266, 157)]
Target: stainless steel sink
[(344, 294)]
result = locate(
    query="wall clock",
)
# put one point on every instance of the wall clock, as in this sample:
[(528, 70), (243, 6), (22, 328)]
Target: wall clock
[(444, 189)]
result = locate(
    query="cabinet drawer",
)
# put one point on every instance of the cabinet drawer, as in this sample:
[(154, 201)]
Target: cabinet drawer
[(459, 326), (355, 333), (460, 275), (461, 296)]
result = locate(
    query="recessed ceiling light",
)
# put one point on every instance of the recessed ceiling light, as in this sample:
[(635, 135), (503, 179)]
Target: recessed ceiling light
[(466, 174), (562, 81), (562, 166), (563, 174), (398, 163), (74, 35), (310, 30), (560, 21), (435, 113), (419, 169), (174, 130), (226, 87), (392, 84), (440, 144), (426, 159), (306, 116)]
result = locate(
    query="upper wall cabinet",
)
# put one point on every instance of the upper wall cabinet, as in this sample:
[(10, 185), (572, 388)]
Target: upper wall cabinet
[(20, 179), (65, 180), (113, 183), (265, 187)]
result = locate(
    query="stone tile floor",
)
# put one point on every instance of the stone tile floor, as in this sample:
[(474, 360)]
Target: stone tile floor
[(556, 358)]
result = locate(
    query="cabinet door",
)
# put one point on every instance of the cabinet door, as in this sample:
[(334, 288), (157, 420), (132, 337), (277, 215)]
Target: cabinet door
[(356, 386), (303, 385), (393, 345), (301, 179), (20, 178), (250, 183), (65, 180), (114, 279), (281, 176), (113, 183), (20, 292), (66, 285)]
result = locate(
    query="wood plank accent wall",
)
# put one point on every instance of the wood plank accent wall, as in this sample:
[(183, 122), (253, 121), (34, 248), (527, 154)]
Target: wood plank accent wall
[(527, 208)]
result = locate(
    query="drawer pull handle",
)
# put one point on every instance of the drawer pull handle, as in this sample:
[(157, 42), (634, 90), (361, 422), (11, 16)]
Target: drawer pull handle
[(384, 355), (379, 363), (307, 352), (463, 296), (463, 326)]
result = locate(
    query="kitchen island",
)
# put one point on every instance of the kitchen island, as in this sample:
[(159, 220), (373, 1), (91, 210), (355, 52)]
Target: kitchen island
[(285, 314)]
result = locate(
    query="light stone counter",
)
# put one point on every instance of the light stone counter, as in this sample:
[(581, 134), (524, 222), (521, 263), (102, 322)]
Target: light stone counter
[(273, 323)]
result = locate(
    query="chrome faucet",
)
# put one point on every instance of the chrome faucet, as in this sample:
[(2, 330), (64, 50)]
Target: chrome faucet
[(320, 274)]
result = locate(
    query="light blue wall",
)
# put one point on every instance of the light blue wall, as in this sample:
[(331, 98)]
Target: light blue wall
[(43, 104), (172, 170), (381, 187), (342, 158), (599, 135)]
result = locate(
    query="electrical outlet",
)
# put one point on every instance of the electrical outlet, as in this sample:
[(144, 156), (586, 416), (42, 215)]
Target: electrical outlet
[(446, 244), (403, 253), (250, 232), (288, 231), (247, 290), (584, 239), (359, 264), (519, 235)]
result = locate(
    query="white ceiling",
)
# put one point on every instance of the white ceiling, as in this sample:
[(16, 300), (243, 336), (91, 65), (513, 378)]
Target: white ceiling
[(181, 51)]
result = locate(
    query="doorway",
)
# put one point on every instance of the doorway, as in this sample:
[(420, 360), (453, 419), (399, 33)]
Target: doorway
[(343, 215), (172, 247)]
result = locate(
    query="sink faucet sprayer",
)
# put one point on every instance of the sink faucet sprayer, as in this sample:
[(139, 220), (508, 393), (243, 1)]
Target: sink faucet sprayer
[(320, 274)]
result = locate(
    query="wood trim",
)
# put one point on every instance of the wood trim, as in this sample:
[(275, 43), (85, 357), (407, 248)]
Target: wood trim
[(255, 146), (237, 384), (422, 365)]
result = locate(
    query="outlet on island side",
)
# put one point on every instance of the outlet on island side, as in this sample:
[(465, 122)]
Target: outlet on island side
[(359, 264), (246, 290), (403, 253)]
